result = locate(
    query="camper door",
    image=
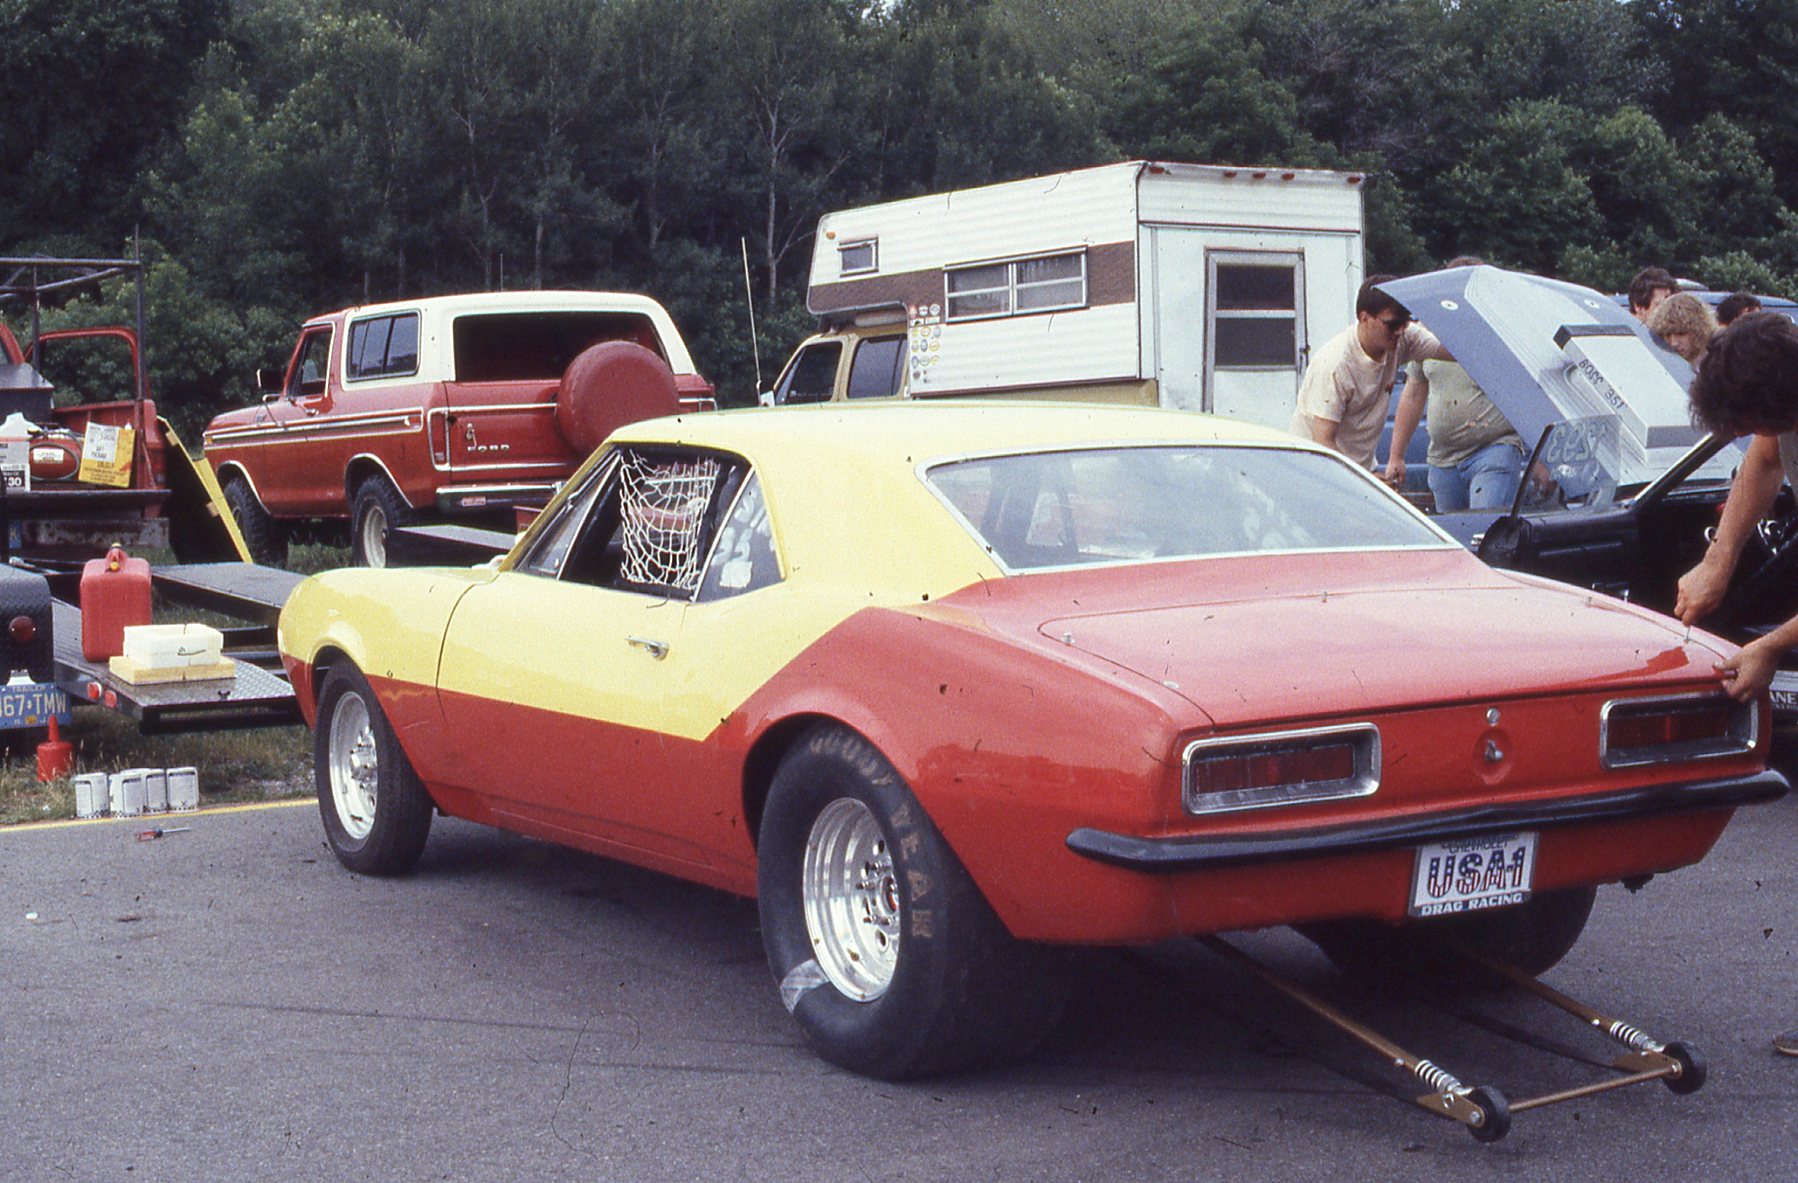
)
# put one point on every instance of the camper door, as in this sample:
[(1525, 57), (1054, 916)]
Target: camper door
[(1255, 343)]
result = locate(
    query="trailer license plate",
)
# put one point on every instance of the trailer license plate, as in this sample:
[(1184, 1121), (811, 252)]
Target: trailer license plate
[(31, 704), (1473, 874)]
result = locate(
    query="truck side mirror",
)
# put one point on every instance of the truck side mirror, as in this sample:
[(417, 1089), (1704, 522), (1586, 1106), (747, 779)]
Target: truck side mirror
[(268, 380)]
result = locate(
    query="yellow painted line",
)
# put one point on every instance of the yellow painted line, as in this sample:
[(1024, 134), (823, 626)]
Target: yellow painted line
[(156, 819)]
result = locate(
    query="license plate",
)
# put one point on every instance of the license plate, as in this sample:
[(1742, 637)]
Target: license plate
[(31, 704), (1785, 692), (1473, 874)]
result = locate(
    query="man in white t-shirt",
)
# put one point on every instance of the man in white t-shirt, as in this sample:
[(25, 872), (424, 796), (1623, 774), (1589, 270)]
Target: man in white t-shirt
[(1343, 396)]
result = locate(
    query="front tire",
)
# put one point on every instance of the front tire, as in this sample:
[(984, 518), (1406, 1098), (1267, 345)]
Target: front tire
[(376, 509), (376, 811), (265, 537), (885, 952), (1533, 936)]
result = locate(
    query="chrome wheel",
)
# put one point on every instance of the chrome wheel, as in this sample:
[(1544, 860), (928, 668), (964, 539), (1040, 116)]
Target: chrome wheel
[(374, 536), (851, 899), (354, 766)]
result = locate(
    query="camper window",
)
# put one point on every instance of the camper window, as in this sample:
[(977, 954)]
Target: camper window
[(854, 258), (1055, 282), (1045, 283)]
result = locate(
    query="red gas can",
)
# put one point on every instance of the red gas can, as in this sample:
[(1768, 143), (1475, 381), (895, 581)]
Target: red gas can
[(115, 593)]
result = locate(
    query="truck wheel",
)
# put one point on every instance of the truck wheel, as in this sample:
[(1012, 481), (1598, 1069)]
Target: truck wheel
[(266, 538), (885, 952), (377, 814), (377, 508), (608, 385), (1533, 936)]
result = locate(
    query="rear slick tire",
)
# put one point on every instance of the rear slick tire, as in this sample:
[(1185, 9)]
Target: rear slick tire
[(376, 811), (1533, 936), (884, 950)]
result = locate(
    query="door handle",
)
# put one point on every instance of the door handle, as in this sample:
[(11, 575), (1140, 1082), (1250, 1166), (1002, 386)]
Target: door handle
[(656, 649)]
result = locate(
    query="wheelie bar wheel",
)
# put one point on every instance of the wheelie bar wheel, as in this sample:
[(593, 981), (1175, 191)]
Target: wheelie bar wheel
[(1691, 1068), (1495, 1114)]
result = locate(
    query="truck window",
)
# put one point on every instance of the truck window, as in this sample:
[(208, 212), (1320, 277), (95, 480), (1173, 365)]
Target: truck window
[(312, 365), (812, 376), (537, 346), (382, 347), (874, 371)]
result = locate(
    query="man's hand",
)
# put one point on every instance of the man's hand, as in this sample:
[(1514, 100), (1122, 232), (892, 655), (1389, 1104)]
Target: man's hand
[(1750, 672), (1701, 589), (1395, 472)]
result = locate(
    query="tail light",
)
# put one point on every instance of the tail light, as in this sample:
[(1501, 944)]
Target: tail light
[(1281, 768), (438, 430), (1672, 730)]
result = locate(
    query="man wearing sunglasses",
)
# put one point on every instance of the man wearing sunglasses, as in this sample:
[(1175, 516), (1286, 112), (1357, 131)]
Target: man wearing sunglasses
[(1343, 396)]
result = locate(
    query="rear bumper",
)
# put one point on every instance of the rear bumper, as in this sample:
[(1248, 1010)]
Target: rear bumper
[(1211, 852), (477, 499)]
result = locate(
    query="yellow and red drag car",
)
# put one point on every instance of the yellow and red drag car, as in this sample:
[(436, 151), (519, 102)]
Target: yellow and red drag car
[(948, 686)]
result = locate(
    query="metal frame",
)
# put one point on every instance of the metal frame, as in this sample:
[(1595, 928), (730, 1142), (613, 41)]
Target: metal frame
[(1483, 1109)]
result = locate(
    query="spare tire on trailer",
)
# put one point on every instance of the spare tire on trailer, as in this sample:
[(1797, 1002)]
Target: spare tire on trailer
[(608, 385)]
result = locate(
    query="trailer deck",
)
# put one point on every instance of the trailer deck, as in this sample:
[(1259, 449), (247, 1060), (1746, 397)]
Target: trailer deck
[(258, 695)]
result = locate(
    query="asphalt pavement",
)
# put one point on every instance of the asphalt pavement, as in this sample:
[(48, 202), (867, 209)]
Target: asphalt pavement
[(228, 1003)]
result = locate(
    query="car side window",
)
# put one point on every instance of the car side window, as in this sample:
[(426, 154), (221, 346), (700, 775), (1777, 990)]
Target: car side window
[(812, 377), (652, 525), (743, 557), (549, 551)]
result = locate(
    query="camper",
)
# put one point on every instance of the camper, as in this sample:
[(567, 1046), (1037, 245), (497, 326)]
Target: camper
[(1194, 286)]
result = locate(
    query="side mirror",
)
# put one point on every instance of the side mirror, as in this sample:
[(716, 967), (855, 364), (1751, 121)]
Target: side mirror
[(268, 380)]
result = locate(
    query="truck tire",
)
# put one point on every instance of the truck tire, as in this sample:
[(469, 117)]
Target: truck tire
[(376, 509), (262, 534), (608, 385)]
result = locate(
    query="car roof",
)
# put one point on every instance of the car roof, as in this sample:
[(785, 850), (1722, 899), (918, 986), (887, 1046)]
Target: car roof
[(919, 431)]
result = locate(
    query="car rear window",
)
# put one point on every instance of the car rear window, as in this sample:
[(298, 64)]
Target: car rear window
[(525, 346), (1092, 506)]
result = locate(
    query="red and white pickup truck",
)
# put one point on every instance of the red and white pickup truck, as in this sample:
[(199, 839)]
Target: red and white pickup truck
[(444, 407)]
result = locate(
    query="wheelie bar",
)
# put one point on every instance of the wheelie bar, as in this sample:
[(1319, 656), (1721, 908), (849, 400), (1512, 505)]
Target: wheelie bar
[(1482, 1108)]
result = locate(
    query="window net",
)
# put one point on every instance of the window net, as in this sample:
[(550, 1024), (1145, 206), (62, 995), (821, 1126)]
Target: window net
[(663, 510)]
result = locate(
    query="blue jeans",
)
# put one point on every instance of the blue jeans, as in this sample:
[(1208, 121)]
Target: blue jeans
[(1487, 479)]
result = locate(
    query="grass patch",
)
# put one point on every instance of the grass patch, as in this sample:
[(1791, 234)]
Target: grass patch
[(262, 764)]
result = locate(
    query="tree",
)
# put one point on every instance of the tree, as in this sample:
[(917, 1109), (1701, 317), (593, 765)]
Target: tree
[(90, 90)]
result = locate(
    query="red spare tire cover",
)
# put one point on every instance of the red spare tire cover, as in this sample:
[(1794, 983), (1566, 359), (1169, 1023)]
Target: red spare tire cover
[(611, 384)]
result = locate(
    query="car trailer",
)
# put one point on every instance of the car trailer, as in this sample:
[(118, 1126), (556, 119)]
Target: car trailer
[(1483, 1109), (257, 695)]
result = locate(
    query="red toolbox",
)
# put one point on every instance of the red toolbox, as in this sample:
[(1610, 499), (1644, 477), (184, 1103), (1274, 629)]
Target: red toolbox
[(115, 594)]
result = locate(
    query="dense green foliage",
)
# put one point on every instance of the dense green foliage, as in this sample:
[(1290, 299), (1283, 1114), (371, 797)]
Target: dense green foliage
[(283, 157)]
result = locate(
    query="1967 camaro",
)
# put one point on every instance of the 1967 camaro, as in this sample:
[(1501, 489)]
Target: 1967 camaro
[(948, 686)]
